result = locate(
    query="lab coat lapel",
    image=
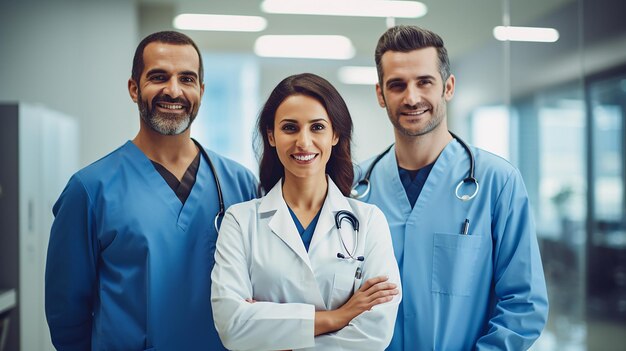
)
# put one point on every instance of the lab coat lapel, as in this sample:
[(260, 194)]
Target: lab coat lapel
[(281, 223), (335, 202)]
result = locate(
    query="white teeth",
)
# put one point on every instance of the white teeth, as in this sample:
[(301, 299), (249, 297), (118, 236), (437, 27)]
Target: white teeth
[(308, 157), (171, 107), (415, 113)]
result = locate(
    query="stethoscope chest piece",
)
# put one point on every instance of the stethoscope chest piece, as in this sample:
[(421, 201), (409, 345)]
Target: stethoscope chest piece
[(467, 196), (354, 192)]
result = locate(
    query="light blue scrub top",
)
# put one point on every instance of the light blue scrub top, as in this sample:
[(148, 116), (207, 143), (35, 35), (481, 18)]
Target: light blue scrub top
[(485, 290), (128, 264)]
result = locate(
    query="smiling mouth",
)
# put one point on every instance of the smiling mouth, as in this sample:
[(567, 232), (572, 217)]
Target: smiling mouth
[(304, 157), (171, 107), (415, 113)]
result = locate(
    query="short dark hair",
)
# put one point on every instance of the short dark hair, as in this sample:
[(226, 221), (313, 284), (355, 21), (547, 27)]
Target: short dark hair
[(405, 38), (166, 37), (339, 166)]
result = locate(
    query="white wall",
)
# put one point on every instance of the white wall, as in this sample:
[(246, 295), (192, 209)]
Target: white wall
[(372, 130), (74, 57)]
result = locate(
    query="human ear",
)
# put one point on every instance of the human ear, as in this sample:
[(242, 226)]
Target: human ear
[(449, 88), (133, 90), (379, 95), (270, 138)]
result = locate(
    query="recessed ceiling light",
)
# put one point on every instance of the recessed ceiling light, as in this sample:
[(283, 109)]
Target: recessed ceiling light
[(536, 34), (359, 8), (305, 46), (227, 23), (362, 75)]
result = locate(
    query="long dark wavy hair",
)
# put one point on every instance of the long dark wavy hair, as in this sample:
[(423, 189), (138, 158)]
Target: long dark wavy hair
[(339, 166)]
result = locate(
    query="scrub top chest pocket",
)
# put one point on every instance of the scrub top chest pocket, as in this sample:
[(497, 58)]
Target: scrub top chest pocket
[(455, 263)]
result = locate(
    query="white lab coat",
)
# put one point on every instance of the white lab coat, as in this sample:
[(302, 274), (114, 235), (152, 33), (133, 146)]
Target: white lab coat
[(260, 255)]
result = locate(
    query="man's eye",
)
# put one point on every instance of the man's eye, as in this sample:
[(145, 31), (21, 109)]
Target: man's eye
[(395, 86), (158, 78), (187, 80), (425, 82)]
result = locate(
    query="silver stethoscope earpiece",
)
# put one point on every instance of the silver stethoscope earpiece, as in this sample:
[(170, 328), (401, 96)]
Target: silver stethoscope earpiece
[(354, 193)]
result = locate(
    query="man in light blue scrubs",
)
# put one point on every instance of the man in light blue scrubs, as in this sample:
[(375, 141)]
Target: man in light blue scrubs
[(470, 267), (132, 243)]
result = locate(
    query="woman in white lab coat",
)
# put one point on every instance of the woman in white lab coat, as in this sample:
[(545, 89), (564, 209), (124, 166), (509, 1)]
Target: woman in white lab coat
[(286, 275)]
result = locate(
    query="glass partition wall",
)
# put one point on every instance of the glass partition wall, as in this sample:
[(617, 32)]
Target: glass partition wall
[(558, 110)]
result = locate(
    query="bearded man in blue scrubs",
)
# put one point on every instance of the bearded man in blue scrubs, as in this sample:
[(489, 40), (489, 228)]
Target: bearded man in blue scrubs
[(132, 243), (470, 268)]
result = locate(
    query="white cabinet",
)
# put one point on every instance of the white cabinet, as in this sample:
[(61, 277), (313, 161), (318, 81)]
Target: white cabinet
[(39, 152)]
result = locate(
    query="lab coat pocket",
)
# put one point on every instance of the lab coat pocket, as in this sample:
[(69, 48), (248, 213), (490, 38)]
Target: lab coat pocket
[(454, 263), (343, 284)]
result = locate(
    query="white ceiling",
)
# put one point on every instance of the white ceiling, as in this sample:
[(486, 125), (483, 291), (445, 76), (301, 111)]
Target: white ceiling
[(463, 24)]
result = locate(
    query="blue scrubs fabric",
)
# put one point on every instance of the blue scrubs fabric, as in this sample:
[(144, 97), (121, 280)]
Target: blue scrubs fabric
[(413, 185), (128, 264), (305, 234), (484, 290)]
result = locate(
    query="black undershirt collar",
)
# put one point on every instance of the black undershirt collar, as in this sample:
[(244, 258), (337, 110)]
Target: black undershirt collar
[(182, 188)]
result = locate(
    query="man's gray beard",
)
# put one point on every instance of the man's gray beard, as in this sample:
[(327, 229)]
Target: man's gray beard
[(164, 123)]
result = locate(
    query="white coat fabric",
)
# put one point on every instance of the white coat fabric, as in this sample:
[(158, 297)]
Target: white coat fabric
[(260, 255)]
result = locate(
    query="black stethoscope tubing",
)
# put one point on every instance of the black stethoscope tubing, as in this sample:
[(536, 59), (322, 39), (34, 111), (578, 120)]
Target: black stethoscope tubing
[(220, 197), (350, 217), (469, 179), (339, 216)]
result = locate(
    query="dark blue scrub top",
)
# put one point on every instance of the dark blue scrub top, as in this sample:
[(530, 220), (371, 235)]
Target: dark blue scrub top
[(413, 181), (305, 234)]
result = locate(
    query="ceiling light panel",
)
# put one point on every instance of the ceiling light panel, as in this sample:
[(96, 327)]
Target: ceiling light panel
[(534, 34), (305, 46), (357, 8), (361, 75), (225, 23)]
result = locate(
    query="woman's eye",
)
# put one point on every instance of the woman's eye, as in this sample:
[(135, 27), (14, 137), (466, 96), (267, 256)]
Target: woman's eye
[(318, 127), (288, 127)]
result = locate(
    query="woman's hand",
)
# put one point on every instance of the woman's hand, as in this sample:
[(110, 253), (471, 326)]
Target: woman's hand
[(373, 292)]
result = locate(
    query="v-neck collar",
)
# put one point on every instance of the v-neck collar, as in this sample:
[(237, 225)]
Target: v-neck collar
[(283, 226), (159, 186), (182, 188), (437, 174)]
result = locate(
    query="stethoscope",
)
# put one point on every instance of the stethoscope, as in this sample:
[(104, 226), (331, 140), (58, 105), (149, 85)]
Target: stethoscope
[(354, 193), (220, 198), (350, 217)]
